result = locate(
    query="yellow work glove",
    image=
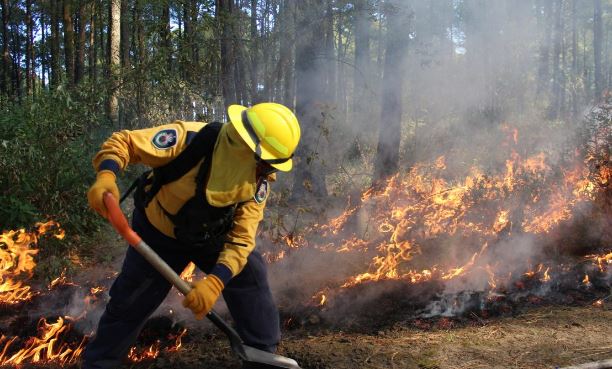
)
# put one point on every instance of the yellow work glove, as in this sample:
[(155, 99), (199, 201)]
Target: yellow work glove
[(203, 296), (105, 182)]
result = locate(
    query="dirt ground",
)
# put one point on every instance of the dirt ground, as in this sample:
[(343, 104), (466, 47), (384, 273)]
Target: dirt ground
[(547, 337)]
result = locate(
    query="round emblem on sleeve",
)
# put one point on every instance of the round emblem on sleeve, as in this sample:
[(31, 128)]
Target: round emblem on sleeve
[(165, 139), (262, 191)]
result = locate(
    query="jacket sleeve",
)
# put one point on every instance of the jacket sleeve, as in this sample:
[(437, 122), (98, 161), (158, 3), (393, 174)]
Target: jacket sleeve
[(240, 240), (151, 146)]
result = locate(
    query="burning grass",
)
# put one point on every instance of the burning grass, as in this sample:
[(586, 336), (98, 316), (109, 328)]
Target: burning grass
[(31, 331), (465, 238)]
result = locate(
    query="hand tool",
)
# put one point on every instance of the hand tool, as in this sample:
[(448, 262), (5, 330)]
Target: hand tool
[(249, 355)]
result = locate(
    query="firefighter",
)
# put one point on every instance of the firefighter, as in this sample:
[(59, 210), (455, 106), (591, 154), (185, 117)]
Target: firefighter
[(201, 202)]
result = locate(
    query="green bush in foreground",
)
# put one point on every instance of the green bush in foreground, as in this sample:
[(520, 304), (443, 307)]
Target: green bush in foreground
[(46, 145)]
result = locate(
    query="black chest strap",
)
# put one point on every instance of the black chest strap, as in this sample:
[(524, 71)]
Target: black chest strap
[(201, 146)]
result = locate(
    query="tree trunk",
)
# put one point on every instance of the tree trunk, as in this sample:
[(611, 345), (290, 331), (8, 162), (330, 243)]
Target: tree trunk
[(379, 38), (114, 60), (585, 70), (141, 56), (341, 88), (195, 41), (140, 35), (29, 57), (79, 68), (310, 81), (55, 49), (103, 43), (287, 52), (30, 67), (546, 21), (44, 51), (68, 41), (362, 62), (125, 35), (597, 48), (330, 55), (389, 129), (556, 60), (92, 43), (240, 67), (608, 79), (186, 52), (574, 61), (266, 53), (6, 58), (165, 34), (254, 51), (16, 77), (224, 10)]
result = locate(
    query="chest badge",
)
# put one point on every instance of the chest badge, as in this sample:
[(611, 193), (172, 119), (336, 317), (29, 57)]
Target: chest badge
[(165, 139), (262, 191)]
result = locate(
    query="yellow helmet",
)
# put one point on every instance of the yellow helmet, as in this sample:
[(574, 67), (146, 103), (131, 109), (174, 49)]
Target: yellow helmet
[(271, 130)]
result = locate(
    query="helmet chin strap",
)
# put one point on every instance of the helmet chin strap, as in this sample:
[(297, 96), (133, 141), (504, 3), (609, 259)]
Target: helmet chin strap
[(257, 142), (264, 169)]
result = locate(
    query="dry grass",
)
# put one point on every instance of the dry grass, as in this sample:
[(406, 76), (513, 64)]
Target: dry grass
[(543, 338)]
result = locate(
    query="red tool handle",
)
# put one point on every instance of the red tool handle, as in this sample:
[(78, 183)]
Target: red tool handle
[(118, 220), (120, 223)]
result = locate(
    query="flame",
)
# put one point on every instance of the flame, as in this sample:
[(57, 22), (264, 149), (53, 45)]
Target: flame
[(502, 221), (17, 251), (541, 270), (178, 341), (96, 290), (492, 282), (54, 341), (188, 272), (433, 224), (422, 205), (48, 346), (152, 351), (62, 280), (586, 281), (601, 260)]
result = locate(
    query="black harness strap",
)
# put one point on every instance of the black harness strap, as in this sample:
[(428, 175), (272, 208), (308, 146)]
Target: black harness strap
[(201, 146)]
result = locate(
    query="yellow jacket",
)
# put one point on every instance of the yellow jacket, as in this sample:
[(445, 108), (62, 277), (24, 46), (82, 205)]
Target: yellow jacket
[(232, 180)]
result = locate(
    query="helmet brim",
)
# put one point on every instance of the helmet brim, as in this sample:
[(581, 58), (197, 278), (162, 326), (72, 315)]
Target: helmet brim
[(234, 113)]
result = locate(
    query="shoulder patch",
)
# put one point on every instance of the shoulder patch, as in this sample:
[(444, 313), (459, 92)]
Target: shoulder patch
[(262, 191), (165, 139)]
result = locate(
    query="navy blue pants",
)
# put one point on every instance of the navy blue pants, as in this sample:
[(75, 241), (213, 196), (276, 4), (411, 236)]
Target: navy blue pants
[(139, 290)]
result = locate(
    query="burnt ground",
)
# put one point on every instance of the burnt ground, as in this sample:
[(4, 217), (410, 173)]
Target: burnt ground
[(558, 329), (382, 330), (535, 337), (544, 337)]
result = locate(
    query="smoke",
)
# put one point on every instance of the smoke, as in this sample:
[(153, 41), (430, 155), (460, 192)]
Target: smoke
[(471, 73)]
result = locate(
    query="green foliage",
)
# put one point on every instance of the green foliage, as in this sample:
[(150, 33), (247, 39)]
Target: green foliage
[(52, 259), (46, 145)]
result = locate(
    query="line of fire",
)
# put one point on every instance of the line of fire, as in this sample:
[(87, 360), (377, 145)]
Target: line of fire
[(434, 248)]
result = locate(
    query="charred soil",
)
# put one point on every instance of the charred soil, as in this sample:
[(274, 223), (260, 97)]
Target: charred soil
[(544, 337)]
